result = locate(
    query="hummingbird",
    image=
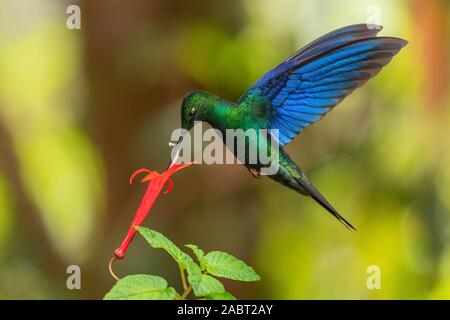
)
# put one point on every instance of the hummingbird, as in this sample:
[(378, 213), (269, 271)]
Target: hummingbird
[(294, 95)]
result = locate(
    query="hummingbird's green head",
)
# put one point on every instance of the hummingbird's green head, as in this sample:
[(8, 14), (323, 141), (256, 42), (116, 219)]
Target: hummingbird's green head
[(194, 108)]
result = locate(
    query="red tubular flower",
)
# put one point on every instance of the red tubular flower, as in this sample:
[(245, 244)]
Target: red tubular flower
[(156, 183)]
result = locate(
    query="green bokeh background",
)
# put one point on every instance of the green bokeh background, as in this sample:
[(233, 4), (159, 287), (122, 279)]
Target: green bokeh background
[(80, 110)]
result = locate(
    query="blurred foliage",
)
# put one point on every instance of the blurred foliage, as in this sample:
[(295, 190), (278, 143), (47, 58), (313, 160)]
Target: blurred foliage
[(82, 109)]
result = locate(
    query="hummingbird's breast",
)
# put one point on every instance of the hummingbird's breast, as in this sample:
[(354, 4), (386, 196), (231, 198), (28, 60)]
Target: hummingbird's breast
[(241, 133)]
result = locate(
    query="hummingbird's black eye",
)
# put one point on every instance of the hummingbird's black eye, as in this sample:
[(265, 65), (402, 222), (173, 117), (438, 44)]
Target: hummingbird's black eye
[(192, 111)]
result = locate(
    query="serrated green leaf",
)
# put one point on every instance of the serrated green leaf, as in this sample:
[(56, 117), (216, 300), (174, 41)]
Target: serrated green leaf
[(202, 284), (222, 264), (199, 253), (158, 240), (194, 275), (141, 287), (207, 285), (221, 296)]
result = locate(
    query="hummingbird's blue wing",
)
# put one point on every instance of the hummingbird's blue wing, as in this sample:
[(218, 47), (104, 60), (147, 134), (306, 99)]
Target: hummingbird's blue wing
[(308, 85), (325, 43)]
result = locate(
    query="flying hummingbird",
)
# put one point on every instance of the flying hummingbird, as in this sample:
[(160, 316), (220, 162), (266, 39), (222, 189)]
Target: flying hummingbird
[(296, 94)]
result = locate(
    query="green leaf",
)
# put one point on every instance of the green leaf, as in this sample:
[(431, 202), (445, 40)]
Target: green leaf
[(224, 265), (221, 296), (199, 253), (158, 240), (208, 285), (203, 284), (141, 287), (194, 275)]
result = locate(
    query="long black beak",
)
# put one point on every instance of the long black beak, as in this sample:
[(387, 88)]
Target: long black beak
[(175, 151)]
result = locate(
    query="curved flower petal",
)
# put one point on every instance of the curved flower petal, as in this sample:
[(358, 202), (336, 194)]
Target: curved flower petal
[(137, 172), (150, 176), (169, 186)]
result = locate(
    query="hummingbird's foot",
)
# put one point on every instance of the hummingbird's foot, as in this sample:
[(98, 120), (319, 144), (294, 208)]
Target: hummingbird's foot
[(255, 172)]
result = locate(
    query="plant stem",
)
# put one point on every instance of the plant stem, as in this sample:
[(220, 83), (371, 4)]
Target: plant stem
[(189, 288), (183, 278), (186, 288), (111, 269), (186, 292)]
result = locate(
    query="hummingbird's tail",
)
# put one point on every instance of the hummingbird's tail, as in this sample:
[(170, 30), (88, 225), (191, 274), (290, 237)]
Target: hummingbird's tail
[(290, 175), (320, 199)]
